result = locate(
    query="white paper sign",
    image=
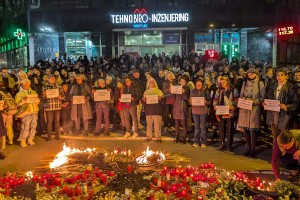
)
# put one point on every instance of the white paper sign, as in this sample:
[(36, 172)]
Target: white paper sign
[(78, 100), (222, 110), (272, 105), (152, 99), (125, 98), (198, 101), (176, 89), (32, 98), (1, 104), (245, 104), (52, 93), (102, 95)]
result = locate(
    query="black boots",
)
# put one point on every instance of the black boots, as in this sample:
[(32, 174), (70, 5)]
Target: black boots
[(2, 156), (183, 139)]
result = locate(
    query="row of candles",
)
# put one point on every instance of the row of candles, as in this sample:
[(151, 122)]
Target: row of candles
[(174, 180), (9, 182), (124, 151)]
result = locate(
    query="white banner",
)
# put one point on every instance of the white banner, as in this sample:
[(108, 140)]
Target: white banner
[(198, 101), (272, 105), (78, 100), (245, 104), (102, 95), (222, 110), (32, 98), (125, 98), (176, 89), (151, 99), (52, 93)]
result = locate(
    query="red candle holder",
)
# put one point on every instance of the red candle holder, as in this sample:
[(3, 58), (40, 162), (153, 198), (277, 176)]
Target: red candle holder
[(129, 169)]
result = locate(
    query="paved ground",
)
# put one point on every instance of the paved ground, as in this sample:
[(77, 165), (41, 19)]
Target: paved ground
[(25, 159)]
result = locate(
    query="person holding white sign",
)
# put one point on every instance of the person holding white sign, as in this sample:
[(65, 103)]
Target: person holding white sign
[(28, 112), (153, 110), (81, 111), (130, 108), (102, 107), (180, 110), (200, 100), (285, 93), (249, 118), (52, 95), (226, 97)]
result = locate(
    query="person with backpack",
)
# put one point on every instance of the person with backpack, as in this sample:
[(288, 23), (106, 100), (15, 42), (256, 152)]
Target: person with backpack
[(250, 120)]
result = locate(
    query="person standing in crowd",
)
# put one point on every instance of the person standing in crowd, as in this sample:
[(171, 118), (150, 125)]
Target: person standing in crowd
[(170, 100), (140, 88), (102, 109), (120, 105), (212, 120), (200, 113), (28, 112), (160, 79), (7, 113), (52, 106), (286, 152), (180, 110), (153, 111), (8, 81), (130, 108), (21, 76), (285, 93), (226, 95), (297, 111), (109, 83), (249, 120), (67, 123), (2, 132), (80, 110), (72, 76)]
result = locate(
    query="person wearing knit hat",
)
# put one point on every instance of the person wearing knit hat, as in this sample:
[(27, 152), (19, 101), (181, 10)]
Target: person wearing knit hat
[(253, 70), (250, 120)]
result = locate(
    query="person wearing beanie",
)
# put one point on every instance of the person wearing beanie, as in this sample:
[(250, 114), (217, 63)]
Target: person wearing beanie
[(250, 120)]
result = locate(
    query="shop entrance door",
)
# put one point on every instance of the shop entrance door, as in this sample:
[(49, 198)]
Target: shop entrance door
[(151, 50)]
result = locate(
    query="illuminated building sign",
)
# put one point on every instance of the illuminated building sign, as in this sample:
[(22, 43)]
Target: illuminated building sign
[(287, 30), (141, 18), (19, 34)]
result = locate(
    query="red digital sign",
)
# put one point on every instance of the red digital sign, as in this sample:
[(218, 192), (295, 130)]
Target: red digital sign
[(211, 53), (287, 30)]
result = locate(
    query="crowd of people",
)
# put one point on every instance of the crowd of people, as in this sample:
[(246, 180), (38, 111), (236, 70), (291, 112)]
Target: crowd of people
[(186, 96)]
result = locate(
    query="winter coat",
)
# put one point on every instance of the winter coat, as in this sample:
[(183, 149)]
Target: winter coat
[(154, 109), (254, 90), (287, 96), (201, 110), (86, 108), (170, 99), (134, 94), (180, 109)]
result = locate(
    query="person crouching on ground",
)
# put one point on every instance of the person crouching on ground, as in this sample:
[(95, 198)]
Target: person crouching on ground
[(286, 152), (102, 109), (28, 112), (153, 111)]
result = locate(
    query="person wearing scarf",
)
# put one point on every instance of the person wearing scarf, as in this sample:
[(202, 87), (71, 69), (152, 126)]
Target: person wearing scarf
[(250, 120), (153, 112)]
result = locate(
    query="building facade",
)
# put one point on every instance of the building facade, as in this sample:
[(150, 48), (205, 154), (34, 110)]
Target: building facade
[(95, 28)]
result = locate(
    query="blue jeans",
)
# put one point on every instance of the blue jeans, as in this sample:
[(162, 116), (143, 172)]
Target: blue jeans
[(28, 126), (200, 128)]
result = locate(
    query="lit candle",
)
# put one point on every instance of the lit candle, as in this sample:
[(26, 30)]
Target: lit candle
[(159, 182), (129, 152), (168, 176), (37, 186)]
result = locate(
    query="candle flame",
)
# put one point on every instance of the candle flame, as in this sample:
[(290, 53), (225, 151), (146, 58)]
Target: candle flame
[(143, 159), (62, 157)]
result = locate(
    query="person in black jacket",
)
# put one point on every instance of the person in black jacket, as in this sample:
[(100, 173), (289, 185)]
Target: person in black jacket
[(140, 88), (285, 93)]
